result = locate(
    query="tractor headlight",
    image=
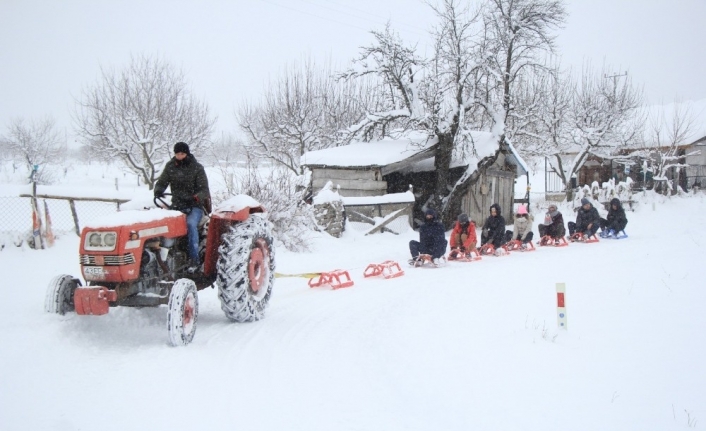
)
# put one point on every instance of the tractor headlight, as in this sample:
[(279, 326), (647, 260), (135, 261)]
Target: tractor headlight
[(100, 241), (109, 239), (94, 239)]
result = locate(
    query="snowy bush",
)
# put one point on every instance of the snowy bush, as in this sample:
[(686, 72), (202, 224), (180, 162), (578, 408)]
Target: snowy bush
[(605, 192), (282, 194)]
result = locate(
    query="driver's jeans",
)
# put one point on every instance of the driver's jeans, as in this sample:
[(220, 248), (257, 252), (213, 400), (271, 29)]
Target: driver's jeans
[(192, 231)]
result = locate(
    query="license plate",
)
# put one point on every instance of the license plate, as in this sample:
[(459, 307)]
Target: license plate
[(93, 270)]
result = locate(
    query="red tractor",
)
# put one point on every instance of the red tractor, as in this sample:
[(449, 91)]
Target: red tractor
[(139, 259)]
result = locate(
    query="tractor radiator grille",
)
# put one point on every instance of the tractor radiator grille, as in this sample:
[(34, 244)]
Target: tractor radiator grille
[(125, 259)]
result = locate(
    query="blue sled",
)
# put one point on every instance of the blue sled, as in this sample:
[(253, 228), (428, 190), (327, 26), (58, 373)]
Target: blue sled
[(612, 235)]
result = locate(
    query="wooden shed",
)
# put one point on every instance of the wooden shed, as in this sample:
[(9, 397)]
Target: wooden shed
[(392, 166)]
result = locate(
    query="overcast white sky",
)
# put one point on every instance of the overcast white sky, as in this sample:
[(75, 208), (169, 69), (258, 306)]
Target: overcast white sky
[(49, 49)]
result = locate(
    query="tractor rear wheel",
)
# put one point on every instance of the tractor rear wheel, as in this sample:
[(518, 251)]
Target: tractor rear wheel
[(183, 312), (60, 294), (246, 269)]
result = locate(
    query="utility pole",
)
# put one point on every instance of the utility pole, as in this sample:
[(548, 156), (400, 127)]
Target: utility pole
[(615, 81)]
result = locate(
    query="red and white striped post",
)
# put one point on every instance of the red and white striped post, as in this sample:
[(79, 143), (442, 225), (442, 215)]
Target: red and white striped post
[(561, 305)]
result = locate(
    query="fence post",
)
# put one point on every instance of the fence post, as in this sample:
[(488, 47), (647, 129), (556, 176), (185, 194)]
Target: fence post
[(36, 219), (75, 216)]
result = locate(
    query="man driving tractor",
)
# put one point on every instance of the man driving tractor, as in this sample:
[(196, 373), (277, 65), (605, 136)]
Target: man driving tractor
[(190, 194)]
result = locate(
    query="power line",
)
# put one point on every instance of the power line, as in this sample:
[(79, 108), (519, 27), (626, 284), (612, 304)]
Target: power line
[(378, 16)]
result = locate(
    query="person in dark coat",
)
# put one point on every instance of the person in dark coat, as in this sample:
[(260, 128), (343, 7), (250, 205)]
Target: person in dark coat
[(553, 224), (587, 220), (432, 238), (190, 194), (616, 219), (494, 228)]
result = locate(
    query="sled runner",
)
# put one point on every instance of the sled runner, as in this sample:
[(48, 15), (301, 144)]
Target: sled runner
[(490, 250), (388, 269), (580, 237), (426, 260), (459, 256), (548, 241), (517, 245)]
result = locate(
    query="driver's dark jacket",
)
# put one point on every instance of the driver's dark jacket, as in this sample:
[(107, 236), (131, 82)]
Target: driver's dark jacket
[(188, 181)]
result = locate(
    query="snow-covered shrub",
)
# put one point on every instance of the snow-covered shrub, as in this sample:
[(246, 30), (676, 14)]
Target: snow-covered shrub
[(282, 194), (605, 192)]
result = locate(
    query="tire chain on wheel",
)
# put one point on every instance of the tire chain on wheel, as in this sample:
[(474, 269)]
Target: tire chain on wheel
[(237, 301)]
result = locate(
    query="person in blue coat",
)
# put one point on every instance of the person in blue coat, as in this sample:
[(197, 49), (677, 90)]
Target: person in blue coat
[(432, 238)]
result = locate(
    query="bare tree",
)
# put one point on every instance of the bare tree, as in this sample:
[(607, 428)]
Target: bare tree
[(517, 34), (604, 116), (666, 134), (432, 96), (303, 110), (479, 57), (228, 155), (36, 143), (392, 64), (137, 115)]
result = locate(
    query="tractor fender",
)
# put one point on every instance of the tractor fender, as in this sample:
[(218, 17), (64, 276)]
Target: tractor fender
[(233, 210)]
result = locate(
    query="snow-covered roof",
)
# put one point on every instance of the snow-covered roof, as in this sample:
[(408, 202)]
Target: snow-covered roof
[(485, 145), (390, 198), (369, 154), (411, 154)]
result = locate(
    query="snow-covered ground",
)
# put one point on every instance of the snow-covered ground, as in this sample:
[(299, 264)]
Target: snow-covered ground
[(467, 346)]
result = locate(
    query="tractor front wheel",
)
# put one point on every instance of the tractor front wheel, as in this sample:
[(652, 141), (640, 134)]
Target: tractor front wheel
[(246, 269), (183, 312), (60, 294)]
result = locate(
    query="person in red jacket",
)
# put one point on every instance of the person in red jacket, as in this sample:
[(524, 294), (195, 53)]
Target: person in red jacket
[(463, 237)]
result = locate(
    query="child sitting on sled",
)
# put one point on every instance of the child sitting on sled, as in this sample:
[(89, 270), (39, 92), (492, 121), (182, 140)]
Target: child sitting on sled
[(522, 229), (432, 239), (463, 237), (494, 228), (616, 220), (587, 220), (553, 225)]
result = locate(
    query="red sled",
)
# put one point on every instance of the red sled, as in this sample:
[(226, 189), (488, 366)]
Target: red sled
[(338, 278), (517, 245), (388, 269), (424, 259), (459, 256), (490, 250), (580, 237), (548, 241)]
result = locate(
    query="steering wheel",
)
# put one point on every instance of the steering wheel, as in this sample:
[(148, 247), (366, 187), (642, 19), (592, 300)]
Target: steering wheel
[(159, 201)]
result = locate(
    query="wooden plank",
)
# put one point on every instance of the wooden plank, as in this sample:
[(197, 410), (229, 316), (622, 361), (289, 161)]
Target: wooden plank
[(358, 217), (388, 219), (343, 174), (44, 196), (502, 174), (352, 184)]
